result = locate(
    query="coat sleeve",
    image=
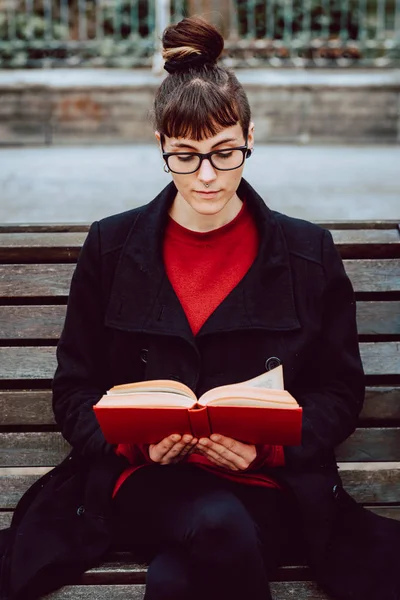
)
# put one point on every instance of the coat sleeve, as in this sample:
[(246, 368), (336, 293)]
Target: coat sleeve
[(333, 400), (81, 375)]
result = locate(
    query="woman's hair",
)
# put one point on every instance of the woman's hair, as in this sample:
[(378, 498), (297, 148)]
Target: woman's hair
[(198, 98)]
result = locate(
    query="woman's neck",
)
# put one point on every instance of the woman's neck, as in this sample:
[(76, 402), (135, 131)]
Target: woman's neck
[(185, 215)]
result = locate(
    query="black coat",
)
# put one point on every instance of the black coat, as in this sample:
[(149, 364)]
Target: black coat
[(124, 323)]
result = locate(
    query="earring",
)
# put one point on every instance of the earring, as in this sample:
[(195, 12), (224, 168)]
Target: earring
[(166, 169)]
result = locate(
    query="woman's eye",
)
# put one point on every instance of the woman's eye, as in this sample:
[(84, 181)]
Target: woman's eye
[(186, 158), (224, 154)]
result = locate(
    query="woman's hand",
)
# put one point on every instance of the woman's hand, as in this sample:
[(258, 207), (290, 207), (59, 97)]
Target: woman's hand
[(226, 452), (172, 449)]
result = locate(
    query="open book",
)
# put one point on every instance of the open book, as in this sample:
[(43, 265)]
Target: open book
[(257, 411)]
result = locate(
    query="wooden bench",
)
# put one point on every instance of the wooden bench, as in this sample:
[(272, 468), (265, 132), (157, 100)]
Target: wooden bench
[(36, 264)]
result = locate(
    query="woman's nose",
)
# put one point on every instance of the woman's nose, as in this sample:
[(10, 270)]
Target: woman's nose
[(207, 172)]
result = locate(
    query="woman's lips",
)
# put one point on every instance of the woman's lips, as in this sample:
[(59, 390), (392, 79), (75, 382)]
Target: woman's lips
[(208, 193)]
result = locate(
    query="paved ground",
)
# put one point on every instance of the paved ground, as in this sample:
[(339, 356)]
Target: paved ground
[(68, 184)]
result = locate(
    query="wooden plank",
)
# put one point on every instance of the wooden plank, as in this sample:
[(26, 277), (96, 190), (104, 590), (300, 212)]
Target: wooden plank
[(5, 519), (33, 407), (24, 281), (15, 482), (62, 227), (45, 280), (281, 590), (368, 483), (31, 322), (98, 592), (345, 224), (19, 363), (33, 449), (65, 246), (381, 403), (369, 243), (381, 358), (26, 407), (371, 444), (391, 512), (46, 448), (366, 236), (374, 275), (372, 483), (45, 322), (41, 247), (39, 362), (65, 227), (378, 318)]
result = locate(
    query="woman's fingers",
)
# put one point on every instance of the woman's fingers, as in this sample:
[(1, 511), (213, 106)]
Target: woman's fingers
[(218, 459), (228, 452), (171, 449)]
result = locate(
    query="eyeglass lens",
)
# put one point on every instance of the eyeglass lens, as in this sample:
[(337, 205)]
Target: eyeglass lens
[(187, 163)]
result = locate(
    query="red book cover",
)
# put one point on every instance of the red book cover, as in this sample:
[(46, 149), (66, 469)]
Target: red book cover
[(252, 412)]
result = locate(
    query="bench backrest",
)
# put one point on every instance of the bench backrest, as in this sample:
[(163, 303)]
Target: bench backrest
[(36, 264)]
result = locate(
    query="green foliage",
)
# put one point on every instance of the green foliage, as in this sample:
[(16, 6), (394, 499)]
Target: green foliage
[(127, 25)]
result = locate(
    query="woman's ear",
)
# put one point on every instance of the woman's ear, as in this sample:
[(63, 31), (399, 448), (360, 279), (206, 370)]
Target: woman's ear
[(250, 137), (158, 137)]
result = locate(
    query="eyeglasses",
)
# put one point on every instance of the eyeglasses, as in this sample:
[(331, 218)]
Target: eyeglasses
[(183, 163)]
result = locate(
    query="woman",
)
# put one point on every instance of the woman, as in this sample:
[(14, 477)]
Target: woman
[(205, 285)]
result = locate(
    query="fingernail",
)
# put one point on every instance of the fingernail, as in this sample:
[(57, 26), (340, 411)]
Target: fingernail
[(203, 442)]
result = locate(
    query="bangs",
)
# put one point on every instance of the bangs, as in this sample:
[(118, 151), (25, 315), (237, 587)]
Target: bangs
[(198, 111)]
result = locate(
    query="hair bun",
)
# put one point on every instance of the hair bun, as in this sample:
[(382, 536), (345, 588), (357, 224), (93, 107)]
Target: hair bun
[(191, 44)]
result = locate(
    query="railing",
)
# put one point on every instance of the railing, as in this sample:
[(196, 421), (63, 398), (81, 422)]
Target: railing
[(257, 32)]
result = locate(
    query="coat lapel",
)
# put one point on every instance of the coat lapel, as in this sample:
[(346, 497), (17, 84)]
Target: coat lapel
[(142, 298), (263, 299)]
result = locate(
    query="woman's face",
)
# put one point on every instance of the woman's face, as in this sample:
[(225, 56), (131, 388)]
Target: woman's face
[(222, 185)]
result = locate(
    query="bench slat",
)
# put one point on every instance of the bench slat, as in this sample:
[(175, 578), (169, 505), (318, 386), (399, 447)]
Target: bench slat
[(45, 322), (32, 322), (284, 590), (24, 362), (65, 246), (391, 512), (374, 275), (38, 281), (381, 403), (378, 318), (48, 280), (381, 358), (42, 247), (371, 444), (368, 483), (33, 407), (46, 448)]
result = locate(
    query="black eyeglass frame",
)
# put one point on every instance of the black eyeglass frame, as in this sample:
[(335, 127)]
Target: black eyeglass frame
[(245, 150)]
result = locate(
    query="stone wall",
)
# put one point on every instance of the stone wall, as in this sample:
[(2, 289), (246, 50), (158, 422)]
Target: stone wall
[(100, 106)]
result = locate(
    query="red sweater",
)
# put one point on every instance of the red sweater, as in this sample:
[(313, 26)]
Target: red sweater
[(203, 269)]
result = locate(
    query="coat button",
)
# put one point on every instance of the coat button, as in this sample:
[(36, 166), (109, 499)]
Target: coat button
[(143, 355), (272, 363), (80, 511), (336, 491)]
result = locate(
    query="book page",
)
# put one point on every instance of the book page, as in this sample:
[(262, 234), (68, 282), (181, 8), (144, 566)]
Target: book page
[(241, 395), (155, 385), (272, 380), (146, 399)]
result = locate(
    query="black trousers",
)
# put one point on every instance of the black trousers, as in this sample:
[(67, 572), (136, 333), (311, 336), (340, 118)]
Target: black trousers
[(203, 536)]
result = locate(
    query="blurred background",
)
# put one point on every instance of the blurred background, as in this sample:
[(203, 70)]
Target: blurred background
[(78, 77)]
